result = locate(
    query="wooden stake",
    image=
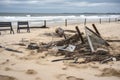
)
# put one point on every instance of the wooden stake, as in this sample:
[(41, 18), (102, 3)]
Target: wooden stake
[(100, 20), (79, 33), (96, 30), (66, 22), (44, 23), (85, 21)]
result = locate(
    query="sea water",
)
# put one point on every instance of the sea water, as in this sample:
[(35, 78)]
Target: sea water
[(37, 19)]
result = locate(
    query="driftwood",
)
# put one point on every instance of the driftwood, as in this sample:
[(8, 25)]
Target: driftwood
[(9, 49), (71, 31), (89, 41), (96, 30), (70, 40), (62, 59), (80, 35)]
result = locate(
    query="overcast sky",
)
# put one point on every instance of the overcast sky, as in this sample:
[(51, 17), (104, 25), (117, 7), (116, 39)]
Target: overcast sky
[(60, 6)]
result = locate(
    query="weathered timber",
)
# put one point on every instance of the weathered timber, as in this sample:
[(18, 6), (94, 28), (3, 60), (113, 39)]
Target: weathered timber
[(62, 59), (80, 35), (72, 31), (106, 43), (9, 49), (89, 41), (69, 40), (96, 30)]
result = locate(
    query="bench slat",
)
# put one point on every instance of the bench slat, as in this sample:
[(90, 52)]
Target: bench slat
[(5, 24)]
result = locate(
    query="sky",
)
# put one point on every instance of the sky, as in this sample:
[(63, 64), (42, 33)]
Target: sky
[(60, 6)]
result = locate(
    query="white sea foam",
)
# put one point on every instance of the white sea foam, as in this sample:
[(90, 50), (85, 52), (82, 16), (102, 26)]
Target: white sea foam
[(53, 18)]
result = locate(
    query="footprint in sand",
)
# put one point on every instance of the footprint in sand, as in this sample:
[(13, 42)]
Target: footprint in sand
[(65, 77)]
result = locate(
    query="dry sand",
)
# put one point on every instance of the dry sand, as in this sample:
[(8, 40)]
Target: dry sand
[(31, 65)]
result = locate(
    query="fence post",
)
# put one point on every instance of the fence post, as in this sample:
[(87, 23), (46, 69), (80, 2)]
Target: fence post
[(66, 22), (100, 20), (109, 20), (115, 19), (85, 22), (44, 23)]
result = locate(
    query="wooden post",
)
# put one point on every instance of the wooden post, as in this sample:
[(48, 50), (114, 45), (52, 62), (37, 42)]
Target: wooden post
[(44, 23), (80, 35), (100, 20), (115, 19), (109, 20), (66, 22), (85, 21), (96, 30)]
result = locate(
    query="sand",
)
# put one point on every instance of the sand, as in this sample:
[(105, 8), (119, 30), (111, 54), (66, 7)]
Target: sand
[(31, 65)]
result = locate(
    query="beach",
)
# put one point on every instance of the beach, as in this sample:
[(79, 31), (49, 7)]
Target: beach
[(33, 65)]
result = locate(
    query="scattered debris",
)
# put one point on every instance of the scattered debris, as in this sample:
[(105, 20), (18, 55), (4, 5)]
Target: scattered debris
[(10, 49), (62, 59), (33, 46), (59, 31), (69, 48), (91, 47)]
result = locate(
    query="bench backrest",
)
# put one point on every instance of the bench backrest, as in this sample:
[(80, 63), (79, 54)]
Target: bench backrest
[(22, 23), (5, 24)]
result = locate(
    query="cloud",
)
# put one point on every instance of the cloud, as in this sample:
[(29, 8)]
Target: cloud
[(29, 1), (57, 5), (89, 4), (76, 3)]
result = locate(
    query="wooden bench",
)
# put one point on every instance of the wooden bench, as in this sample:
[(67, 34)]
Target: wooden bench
[(6, 26), (23, 25)]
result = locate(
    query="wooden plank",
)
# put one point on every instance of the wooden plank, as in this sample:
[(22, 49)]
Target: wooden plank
[(89, 41), (80, 35), (96, 30), (107, 44), (5, 24), (23, 23)]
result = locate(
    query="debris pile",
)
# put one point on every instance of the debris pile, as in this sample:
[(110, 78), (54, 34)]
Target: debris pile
[(90, 47)]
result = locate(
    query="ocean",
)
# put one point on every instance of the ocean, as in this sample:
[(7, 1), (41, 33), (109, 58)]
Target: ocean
[(57, 18)]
